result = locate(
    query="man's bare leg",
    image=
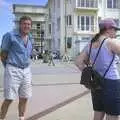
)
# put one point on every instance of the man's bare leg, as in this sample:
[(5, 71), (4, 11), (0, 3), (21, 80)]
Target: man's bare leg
[(22, 107), (4, 108)]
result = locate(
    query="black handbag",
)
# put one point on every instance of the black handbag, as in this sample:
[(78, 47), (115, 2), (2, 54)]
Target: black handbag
[(90, 78)]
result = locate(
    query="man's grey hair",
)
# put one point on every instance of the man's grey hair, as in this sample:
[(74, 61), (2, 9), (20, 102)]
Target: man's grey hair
[(23, 18)]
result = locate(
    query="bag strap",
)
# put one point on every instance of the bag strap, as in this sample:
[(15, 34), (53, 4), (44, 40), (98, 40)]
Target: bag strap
[(109, 65), (88, 60), (98, 52)]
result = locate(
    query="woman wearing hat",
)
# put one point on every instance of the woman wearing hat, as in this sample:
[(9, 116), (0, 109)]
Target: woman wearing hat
[(106, 101)]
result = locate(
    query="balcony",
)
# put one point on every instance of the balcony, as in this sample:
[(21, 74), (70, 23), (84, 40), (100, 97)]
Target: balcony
[(36, 36), (36, 29), (37, 43), (89, 29), (87, 5), (33, 9)]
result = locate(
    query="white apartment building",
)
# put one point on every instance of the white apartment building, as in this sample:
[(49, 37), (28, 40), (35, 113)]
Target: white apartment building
[(69, 24), (74, 22)]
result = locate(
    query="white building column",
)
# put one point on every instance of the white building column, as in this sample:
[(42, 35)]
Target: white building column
[(62, 29)]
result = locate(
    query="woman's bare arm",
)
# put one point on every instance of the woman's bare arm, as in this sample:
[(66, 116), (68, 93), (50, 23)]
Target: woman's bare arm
[(114, 46), (80, 60)]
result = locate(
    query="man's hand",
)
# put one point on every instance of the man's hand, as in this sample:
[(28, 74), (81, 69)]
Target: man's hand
[(3, 55)]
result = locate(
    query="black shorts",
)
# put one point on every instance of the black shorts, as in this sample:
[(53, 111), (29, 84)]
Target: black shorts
[(108, 99)]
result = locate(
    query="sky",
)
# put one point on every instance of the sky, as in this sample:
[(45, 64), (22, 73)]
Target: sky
[(6, 14)]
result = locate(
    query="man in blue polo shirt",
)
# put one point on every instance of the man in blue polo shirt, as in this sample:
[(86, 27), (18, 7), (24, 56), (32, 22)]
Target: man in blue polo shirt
[(16, 50)]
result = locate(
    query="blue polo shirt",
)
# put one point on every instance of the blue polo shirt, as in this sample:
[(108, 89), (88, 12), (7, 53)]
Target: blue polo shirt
[(18, 53)]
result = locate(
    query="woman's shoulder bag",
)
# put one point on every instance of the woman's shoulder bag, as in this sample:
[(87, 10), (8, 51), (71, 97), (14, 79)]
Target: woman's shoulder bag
[(90, 78)]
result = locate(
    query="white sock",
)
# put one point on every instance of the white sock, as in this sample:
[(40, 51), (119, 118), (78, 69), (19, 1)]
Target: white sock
[(21, 118)]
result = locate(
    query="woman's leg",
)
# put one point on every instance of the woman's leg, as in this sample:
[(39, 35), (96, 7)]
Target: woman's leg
[(98, 115)]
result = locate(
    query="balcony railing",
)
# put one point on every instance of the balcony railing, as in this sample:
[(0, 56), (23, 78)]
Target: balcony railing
[(37, 36), (87, 28), (37, 43), (87, 3)]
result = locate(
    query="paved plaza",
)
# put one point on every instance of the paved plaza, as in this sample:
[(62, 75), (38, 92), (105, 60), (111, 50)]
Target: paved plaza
[(57, 94)]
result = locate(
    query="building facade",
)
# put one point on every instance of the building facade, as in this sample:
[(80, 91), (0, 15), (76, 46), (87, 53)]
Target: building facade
[(74, 22), (70, 24)]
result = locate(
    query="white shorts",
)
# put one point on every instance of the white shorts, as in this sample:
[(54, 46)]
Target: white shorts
[(17, 82)]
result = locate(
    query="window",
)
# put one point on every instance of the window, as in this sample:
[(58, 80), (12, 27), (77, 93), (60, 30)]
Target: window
[(86, 39), (58, 23), (42, 33), (38, 34), (68, 1), (87, 3), (92, 23), (38, 26), (78, 22), (58, 3), (99, 19), (69, 20), (38, 30), (78, 3), (92, 3), (112, 3), (82, 3), (82, 22), (49, 13), (117, 21), (85, 23), (69, 42), (49, 28)]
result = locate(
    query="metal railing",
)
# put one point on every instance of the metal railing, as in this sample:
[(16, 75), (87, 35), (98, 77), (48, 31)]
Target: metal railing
[(87, 3)]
